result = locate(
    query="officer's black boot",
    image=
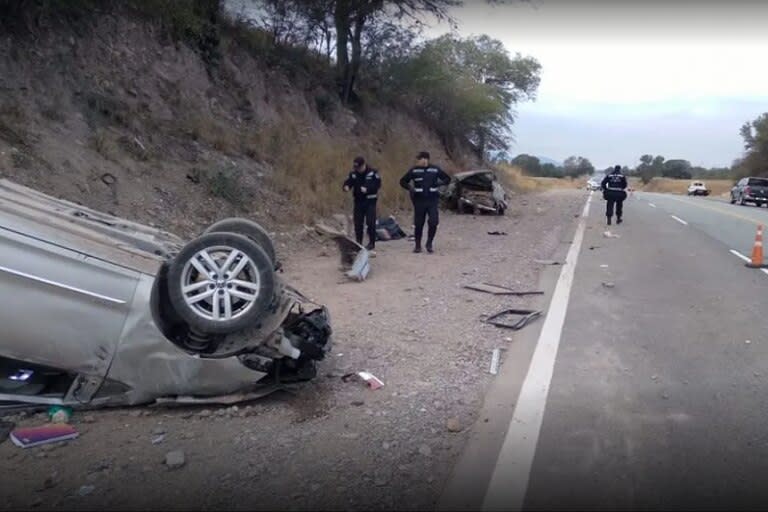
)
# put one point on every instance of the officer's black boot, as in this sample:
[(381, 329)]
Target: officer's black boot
[(417, 248), (609, 220), (431, 232), (618, 220)]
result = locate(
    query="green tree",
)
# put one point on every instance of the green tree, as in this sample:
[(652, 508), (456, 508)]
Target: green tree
[(529, 164), (575, 166), (755, 135), (677, 169), (465, 88)]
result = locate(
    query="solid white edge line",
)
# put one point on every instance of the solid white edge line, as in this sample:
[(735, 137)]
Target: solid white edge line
[(678, 219), (737, 253), (509, 482)]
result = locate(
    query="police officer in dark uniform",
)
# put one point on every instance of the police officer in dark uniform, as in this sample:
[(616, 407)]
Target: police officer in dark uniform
[(614, 187), (365, 183), (422, 181)]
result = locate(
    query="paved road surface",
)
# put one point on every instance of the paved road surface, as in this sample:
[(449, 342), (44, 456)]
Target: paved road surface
[(658, 397)]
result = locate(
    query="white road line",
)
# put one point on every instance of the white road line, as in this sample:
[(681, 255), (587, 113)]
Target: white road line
[(678, 219), (737, 253), (652, 205), (509, 481)]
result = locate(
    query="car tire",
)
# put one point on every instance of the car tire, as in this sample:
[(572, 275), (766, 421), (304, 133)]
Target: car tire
[(248, 229), (733, 199), (211, 303)]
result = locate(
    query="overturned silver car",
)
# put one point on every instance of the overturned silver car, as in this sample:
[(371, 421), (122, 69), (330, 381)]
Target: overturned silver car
[(101, 311)]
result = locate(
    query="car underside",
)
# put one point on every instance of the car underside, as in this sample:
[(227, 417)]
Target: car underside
[(109, 312)]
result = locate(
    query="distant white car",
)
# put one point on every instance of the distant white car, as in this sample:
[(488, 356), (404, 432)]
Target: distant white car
[(698, 188), (594, 184)]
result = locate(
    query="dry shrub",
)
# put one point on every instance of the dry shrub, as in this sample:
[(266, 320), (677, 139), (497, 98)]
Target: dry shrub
[(518, 181), (312, 170), (205, 129), (105, 143)]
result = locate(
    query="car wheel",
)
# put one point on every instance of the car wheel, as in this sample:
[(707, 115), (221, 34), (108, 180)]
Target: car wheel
[(221, 283), (248, 229), (733, 199)]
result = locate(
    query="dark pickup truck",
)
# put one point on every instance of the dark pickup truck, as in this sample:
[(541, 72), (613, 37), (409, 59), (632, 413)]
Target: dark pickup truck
[(750, 190)]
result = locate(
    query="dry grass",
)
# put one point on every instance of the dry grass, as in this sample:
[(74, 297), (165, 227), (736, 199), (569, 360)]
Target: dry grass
[(672, 186), (514, 178), (207, 130), (312, 169), (105, 143)]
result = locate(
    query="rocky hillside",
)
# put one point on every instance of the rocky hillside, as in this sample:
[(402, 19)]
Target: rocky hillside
[(112, 109)]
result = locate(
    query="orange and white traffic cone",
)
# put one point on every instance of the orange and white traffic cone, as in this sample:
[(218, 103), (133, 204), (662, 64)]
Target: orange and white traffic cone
[(757, 250)]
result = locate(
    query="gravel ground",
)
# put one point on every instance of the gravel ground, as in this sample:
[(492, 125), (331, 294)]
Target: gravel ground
[(331, 445)]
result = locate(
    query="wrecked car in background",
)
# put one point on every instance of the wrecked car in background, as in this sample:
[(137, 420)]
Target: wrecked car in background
[(101, 311), (476, 192)]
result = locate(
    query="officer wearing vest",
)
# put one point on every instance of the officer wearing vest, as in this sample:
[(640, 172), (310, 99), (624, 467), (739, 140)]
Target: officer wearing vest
[(365, 183), (614, 187), (422, 181)]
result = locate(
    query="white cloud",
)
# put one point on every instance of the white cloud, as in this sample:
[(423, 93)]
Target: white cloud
[(660, 71)]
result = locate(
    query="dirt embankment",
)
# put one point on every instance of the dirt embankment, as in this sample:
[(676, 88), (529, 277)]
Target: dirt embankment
[(112, 112)]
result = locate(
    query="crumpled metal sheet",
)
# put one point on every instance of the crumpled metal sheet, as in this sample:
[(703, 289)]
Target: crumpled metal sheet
[(353, 255)]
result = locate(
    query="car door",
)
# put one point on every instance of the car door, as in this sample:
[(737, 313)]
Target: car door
[(62, 309)]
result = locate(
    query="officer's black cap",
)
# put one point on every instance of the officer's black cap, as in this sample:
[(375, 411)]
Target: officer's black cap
[(359, 160), (617, 168), (423, 154)]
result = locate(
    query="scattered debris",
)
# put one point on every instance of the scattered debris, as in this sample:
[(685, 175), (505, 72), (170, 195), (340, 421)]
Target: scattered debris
[(609, 284), (548, 262), (358, 403), (158, 439), (425, 450), (603, 266), (28, 437), (498, 289), (593, 247), (495, 356), (748, 342), (608, 234), (654, 377), (86, 490), (527, 315), (370, 380), (175, 459), (89, 419), (59, 414), (497, 233), (453, 425), (355, 259), (108, 179)]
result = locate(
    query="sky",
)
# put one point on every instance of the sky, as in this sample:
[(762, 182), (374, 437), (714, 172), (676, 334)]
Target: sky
[(623, 78)]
